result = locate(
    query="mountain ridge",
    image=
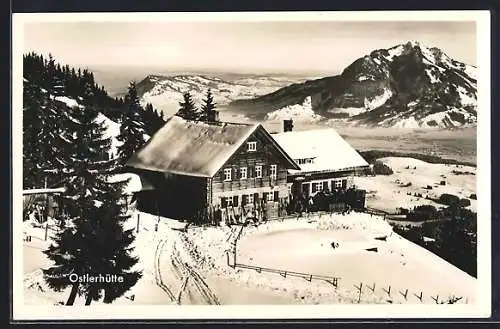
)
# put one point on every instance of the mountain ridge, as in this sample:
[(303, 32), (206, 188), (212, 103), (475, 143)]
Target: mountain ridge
[(407, 85)]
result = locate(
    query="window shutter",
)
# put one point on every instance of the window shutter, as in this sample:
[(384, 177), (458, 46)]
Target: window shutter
[(223, 202), (235, 201), (256, 198), (222, 175), (264, 196), (344, 183), (276, 196), (243, 200), (235, 174), (250, 171)]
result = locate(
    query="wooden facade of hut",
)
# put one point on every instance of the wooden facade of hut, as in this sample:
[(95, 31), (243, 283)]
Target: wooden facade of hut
[(211, 171)]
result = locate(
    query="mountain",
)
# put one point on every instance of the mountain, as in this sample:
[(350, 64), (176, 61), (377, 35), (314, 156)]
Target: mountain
[(409, 85), (165, 91)]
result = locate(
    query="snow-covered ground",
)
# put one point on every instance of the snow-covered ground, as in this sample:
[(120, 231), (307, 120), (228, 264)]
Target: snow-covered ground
[(390, 192), (304, 245), (170, 254)]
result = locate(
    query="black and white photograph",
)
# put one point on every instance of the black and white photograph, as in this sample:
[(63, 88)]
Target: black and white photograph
[(251, 165)]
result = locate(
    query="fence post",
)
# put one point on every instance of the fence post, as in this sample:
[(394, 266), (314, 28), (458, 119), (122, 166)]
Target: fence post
[(388, 291), (360, 288), (419, 296), (46, 229)]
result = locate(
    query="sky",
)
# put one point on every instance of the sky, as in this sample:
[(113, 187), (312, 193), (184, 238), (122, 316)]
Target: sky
[(308, 46)]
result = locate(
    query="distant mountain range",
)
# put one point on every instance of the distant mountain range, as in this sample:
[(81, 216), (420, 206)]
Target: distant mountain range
[(165, 91), (409, 85)]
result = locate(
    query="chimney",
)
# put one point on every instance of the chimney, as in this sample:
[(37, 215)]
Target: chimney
[(287, 125), (213, 116)]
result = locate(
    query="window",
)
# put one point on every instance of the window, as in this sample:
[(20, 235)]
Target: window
[(316, 187), (252, 146), (337, 183), (304, 161), (227, 174), (270, 197), (274, 172), (243, 173), (258, 171), (250, 199)]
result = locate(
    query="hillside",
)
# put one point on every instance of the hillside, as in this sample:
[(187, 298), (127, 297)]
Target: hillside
[(409, 85), (165, 91)]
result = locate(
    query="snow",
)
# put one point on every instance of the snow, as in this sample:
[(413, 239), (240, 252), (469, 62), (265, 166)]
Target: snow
[(431, 76), (395, 52), (410, 122), (324, 145), (465, 98), (291, 244), (388, 192), (112, 131), (136, 182), (304, 245), (352, 111), (364, 77), (297, 112), (471, 71), (70, 102), (378, 100)]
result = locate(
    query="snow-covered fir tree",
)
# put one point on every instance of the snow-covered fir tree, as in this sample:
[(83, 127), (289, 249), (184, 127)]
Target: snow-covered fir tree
[(188, 109), (43, 123), (95, 241), (132, 129)]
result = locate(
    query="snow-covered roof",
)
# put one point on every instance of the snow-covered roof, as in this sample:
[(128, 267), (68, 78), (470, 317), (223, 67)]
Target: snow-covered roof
[(329, 150), (195, 148), (136, 182)]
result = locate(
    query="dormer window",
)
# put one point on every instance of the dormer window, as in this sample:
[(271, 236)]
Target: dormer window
[(252, 146), (304, 160)]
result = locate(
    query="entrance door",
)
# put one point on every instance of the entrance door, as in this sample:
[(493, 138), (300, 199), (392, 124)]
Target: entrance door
[(306, 189)]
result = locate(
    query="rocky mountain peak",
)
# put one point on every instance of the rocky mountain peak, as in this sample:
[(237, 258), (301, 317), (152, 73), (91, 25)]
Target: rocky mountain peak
[(409, 84)]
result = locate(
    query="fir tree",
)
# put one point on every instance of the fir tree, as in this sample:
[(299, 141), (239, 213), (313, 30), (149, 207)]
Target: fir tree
[(153, 120), (95, 242), (32, 100), (132, 127), (208, 106), (187, 108)]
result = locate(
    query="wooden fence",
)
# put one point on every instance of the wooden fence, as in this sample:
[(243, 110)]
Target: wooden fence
[(284, 273)]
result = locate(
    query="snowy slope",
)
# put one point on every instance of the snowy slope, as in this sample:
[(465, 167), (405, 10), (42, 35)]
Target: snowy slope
[(297, 112)]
